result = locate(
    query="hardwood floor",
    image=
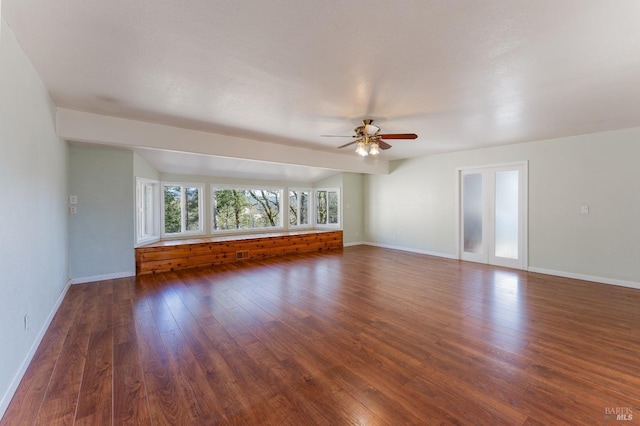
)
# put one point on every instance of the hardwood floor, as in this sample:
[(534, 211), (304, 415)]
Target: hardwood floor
[(362, 336)]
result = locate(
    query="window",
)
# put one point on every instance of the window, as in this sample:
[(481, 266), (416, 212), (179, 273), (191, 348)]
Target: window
[(147, 211), (245, 209), (299, 207), (328, 207), (182, 209)]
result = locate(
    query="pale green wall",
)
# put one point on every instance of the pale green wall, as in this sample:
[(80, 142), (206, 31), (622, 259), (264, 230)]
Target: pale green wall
[(415, 206), (33, 217), (101, 234), (351, 190), (352, 208)]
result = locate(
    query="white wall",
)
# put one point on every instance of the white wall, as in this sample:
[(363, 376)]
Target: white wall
[(33, 217), (415, 206), (334, 181), (143, 169), (101, 233)]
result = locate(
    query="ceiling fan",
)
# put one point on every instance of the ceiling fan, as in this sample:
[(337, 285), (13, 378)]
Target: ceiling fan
[(369, 140)]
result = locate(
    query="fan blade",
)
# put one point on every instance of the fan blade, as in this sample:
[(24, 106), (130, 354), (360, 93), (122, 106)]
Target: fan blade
[(383, 145), (338, 136), (347, 144), (399, 136)]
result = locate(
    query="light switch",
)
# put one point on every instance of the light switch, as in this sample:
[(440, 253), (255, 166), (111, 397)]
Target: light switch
[(585, 209), (73, 199)]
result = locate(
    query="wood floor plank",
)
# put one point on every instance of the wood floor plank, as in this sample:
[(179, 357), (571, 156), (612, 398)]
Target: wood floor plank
[(130, 403), (130, 398), (30, 394), (94, 402), (61, 399), (363, 335), (166, 405), (265, 360)]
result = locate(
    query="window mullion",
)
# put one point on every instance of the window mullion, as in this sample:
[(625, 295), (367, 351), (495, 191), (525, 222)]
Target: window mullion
[(326, 209), (183, 209)]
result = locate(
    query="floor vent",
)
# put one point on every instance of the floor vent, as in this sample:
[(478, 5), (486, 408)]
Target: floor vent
[(242, 254)]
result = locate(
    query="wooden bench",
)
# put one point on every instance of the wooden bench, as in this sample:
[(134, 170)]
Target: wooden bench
[(170, 255)]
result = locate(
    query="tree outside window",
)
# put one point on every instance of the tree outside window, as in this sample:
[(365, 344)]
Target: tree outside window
[(328, 207), (321, 208), (242, 209), (182, 209), (298, 207), (192, 211)]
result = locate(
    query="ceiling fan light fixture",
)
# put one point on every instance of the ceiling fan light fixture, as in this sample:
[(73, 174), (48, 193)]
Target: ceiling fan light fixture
[(370, 129), (361, 148), (369, 140), (374, 149)]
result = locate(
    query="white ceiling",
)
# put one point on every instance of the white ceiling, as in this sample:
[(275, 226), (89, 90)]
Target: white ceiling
[(460, 74)]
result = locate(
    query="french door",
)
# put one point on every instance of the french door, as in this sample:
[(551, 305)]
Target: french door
[(493, 215)]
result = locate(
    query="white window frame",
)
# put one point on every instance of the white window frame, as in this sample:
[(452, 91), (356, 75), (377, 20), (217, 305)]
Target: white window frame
[(310, 208), (258, 187), (201, 203), (142, 215), (315, 208)]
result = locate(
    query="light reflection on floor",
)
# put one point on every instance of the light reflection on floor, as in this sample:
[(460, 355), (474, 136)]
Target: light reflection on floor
[(507, 316)]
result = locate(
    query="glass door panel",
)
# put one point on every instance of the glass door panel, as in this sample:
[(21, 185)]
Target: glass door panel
[(472, 207), (506, 214)]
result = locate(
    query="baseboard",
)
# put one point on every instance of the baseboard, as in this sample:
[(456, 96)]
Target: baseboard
[(13, 386), (610, 281), (412, 250), (357, 243), (94, 278)]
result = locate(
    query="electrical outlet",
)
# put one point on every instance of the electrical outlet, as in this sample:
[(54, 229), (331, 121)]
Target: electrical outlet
[(585, 209), (73, 199), (73, 209)]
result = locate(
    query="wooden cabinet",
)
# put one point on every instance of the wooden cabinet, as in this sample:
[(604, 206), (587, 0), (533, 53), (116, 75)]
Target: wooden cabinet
[(181, 254)]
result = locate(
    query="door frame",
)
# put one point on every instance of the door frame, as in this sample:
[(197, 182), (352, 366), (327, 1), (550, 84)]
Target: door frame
[(524, 188)]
